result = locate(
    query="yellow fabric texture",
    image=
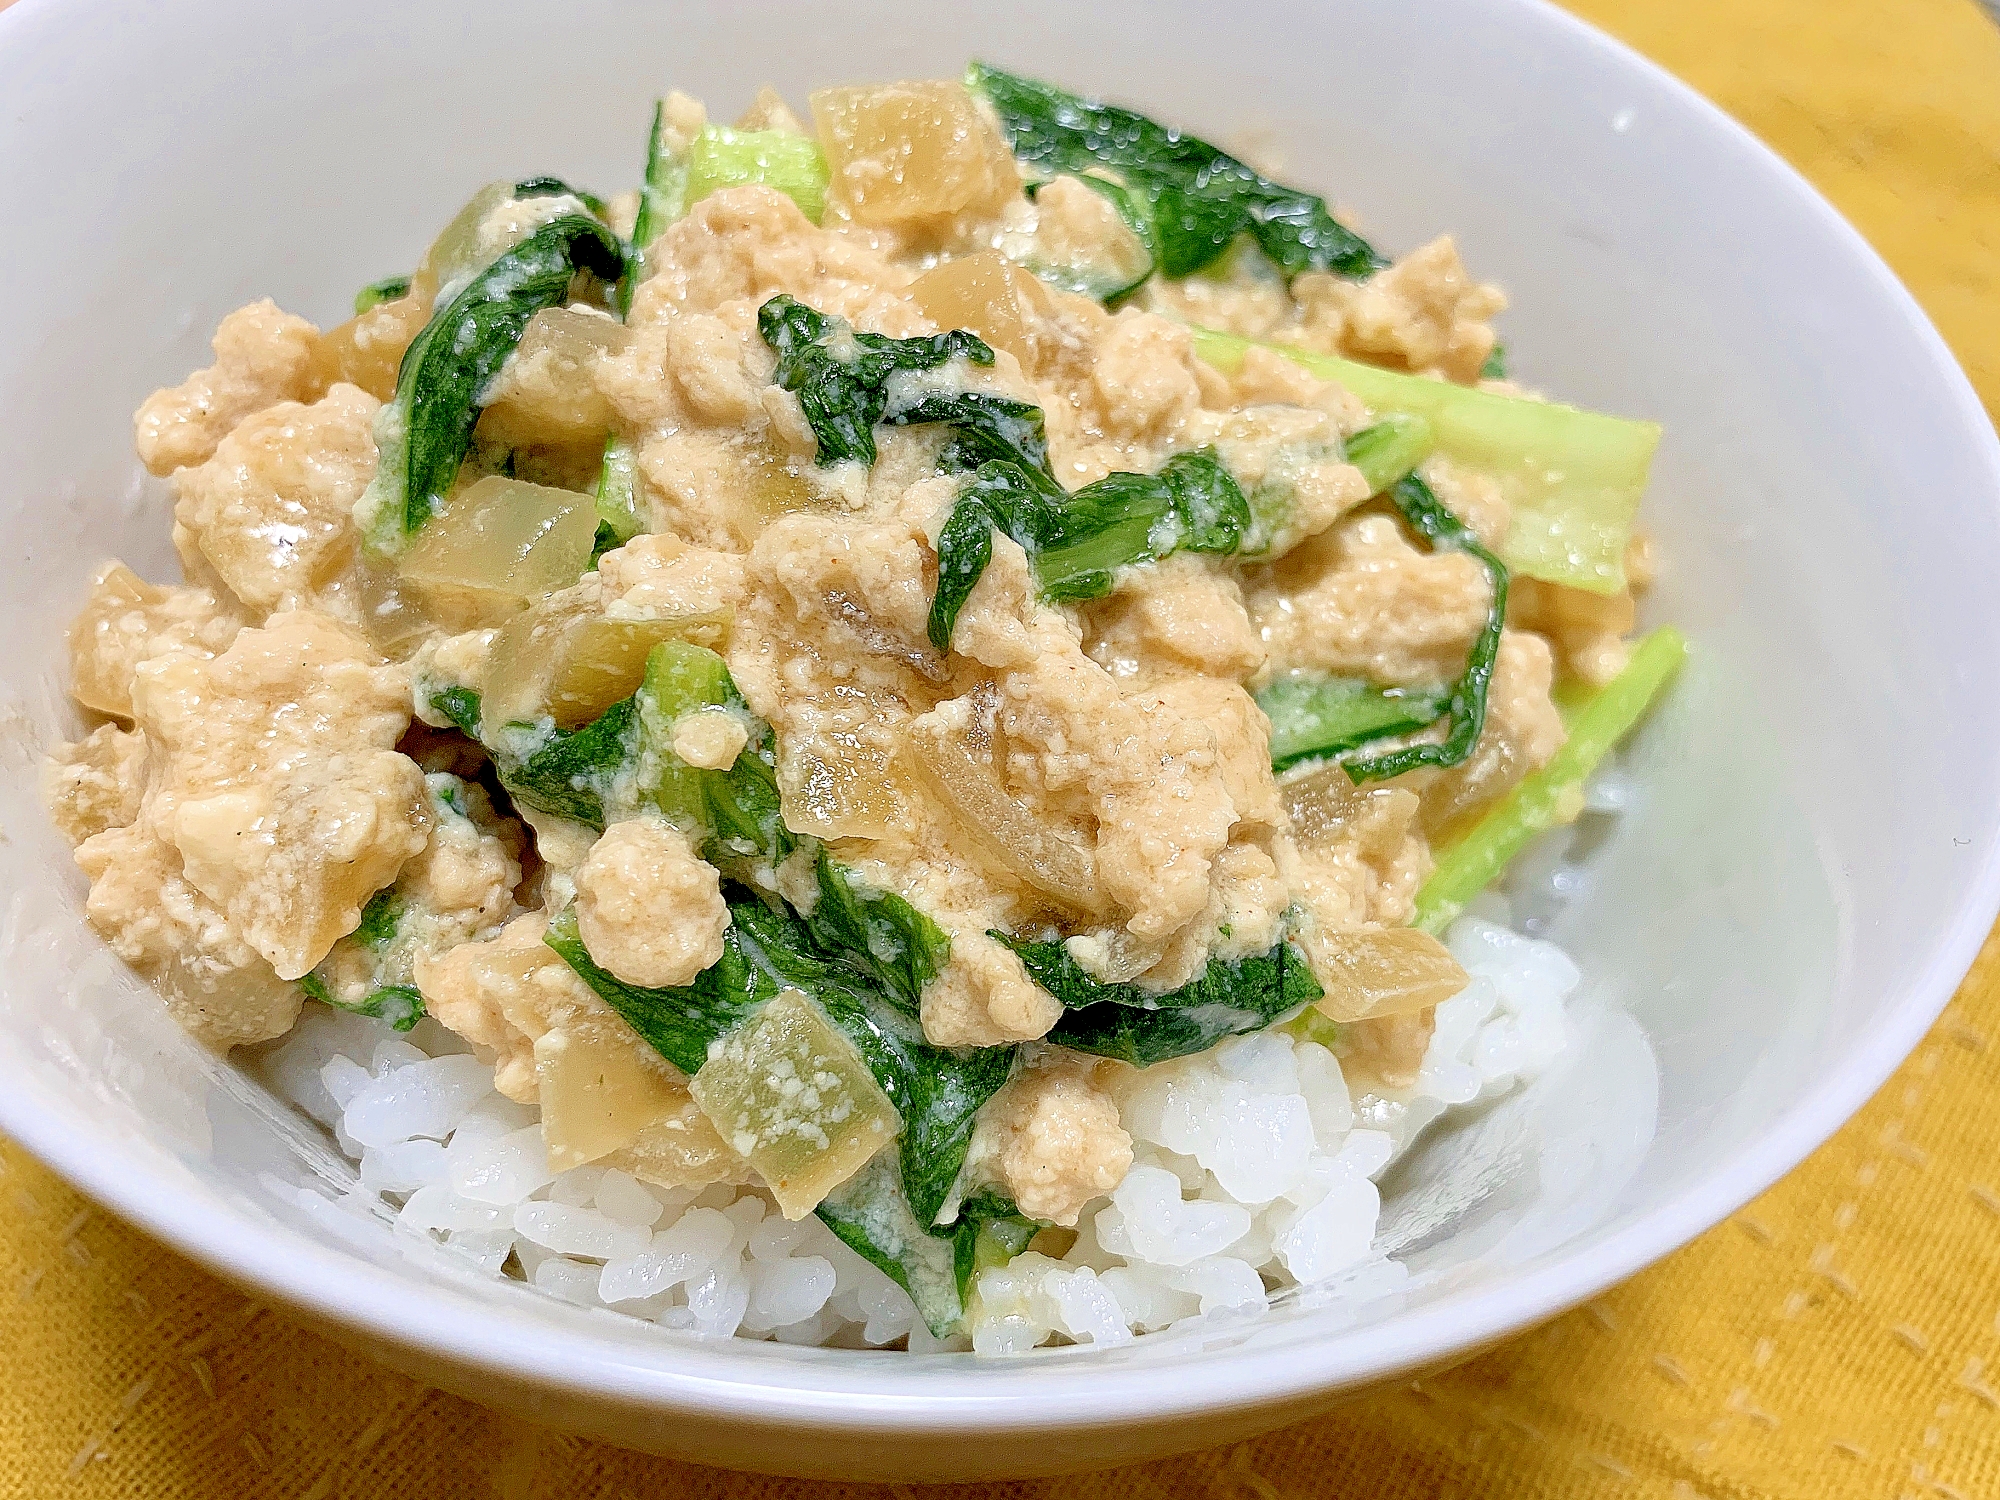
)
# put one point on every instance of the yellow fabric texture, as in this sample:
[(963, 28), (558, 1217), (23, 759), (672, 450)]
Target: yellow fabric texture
[(1840, 1337)]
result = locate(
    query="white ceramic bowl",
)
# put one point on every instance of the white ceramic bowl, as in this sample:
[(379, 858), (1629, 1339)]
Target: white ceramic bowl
[(1807, 873)]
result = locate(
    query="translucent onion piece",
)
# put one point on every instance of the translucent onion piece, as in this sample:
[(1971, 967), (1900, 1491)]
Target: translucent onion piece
[(497, 547), (1053, 863), (1382, 971), (597, 1095), (566, 658)]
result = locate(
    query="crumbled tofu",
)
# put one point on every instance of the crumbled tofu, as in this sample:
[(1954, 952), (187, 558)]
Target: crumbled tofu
[(272, 511), (278, 784), (96, 783), (128, 621), (262, 356)]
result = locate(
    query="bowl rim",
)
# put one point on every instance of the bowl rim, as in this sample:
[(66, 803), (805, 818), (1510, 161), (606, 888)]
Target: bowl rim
[(888, 1395)]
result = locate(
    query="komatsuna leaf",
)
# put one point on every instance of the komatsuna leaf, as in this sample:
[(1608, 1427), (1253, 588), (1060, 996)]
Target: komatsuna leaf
[(388, 289), (842, 377), (1465, 713), (878, 933), (572, 770), (1077, 541), (1228, 998), (936, 1090), (1200, 197), (1317, 717), (425, 432)]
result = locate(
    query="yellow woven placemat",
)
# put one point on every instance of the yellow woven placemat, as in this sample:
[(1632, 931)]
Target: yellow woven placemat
[(1841, 1337)]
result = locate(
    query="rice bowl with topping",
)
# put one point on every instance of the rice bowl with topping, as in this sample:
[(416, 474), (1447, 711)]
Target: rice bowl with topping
[(886, 741)]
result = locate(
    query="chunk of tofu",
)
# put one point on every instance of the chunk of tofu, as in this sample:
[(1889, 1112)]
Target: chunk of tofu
[(280, 788), (790, 1094), (497, 547), (900, 152), (127, 621), (272, 512)]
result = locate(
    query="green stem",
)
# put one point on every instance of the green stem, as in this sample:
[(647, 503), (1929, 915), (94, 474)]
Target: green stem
[(1572, 478), (1552, 794)]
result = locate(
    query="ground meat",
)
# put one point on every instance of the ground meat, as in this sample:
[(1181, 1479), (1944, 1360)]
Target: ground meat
[(1356, 854), (1389, 1049), (262, 357), (499, 995), (1149, 777), (660, 577), (829, 647), (1051, 1139), (1363, 601), (984, 997), (1143, 382), (1182, 615), (648, 909), (272, 512), (1424, 313), (710, 738), (735, 249), (278, 784), (1586, 631)]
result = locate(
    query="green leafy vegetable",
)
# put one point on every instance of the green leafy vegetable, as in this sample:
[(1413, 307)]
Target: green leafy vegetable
[(401, 1005), (1198, 198), (461, 706), (985, 428), (677, 1022), (793, 164), (1466, 709), (1554, 793), (1572, 478), (616, 494), (424, 433), (735, 812), (1191, 505), (663, 195), (1389, 449), (1315, 717), (379, 918), (1495, 366), (991, 1231), (872, 1215), (1120, 1020), (842, 377), (555, 187), (388, 289), (879, 933), (571, 772), (936, 1092), (1076, 541)]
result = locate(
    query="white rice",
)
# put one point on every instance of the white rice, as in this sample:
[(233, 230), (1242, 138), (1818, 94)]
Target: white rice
[(1254, 1171)]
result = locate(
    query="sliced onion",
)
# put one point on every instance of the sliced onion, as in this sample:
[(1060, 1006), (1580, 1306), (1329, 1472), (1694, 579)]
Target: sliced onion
[(1382, 971), (1057, 865)]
